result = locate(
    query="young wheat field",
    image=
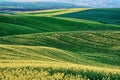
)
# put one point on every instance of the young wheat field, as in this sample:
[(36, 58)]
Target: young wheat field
[(60, 44)]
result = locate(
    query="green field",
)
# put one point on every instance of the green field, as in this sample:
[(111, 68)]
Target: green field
[(65, 44), (110, 16)]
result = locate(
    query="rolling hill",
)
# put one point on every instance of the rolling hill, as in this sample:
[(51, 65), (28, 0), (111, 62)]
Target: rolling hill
[(107, 15), (70, 53), (58, 45), (82, 44), (34, 24)]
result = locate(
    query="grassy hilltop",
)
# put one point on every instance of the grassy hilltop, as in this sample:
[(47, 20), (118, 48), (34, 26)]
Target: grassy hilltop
[(110, 16), (38, 24), (64, 44)]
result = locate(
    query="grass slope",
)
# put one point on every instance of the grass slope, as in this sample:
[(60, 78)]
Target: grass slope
[(63, 56), (11, 25), (110, 15), (84, 50), (11, 29), (95, 46), (52, 12), (19, 52)]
